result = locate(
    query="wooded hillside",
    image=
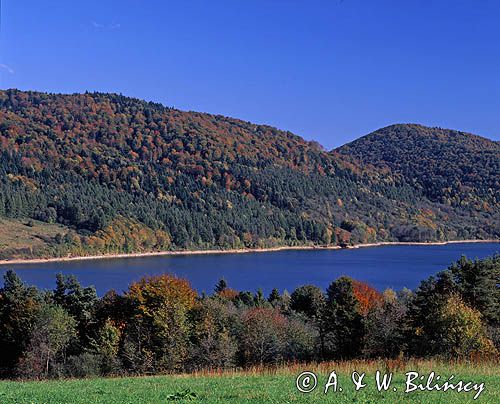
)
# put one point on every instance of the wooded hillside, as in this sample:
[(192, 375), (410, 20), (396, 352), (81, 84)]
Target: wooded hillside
[(122, 175)]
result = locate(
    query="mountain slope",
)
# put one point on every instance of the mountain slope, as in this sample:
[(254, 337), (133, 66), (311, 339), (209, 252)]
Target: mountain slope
[(126, 175), (451, 167)]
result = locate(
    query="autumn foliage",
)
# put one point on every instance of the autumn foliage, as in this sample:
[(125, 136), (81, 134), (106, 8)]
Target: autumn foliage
[(367, 296), (123, 175), (160, 325), (155, 293)]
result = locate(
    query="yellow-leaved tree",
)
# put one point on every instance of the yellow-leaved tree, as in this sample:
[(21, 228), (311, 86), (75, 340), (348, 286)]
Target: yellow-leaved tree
[(157, 338), (463, 331)]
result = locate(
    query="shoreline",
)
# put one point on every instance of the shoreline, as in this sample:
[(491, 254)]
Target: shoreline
[(233, 251)]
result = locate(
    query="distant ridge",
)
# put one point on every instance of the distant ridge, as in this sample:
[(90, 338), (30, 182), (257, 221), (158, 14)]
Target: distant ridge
[(451, 167)]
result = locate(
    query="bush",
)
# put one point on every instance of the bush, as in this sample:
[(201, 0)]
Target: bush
[(83, 365)]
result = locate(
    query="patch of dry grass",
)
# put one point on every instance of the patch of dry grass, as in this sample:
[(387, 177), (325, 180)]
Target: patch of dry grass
[(26, 238)]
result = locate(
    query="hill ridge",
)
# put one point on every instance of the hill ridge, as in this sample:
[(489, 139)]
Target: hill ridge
[(125, 175)]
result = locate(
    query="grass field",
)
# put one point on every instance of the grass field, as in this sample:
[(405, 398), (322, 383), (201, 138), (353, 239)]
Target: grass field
[(260, 386), (20, 240)]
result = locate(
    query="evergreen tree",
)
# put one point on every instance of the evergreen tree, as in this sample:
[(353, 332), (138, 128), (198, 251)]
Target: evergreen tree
[(221, 286), (342, 324), (274, 297), (477, 282), (19, 308)]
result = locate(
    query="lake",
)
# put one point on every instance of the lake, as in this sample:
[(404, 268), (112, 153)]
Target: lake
[(382, 267)]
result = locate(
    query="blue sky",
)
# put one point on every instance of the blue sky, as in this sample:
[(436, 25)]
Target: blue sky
[(329, 70)]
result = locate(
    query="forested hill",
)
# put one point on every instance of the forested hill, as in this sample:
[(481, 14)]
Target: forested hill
[(450, 167), (99, 173)]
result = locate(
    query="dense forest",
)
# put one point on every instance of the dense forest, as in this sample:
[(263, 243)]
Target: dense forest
[(160, 324), (117, 174), (450, 167)]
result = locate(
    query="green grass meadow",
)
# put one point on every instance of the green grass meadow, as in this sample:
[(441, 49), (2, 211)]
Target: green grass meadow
[(258, 386)]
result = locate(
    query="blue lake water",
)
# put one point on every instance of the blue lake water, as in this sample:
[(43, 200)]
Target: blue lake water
[(382, 267)]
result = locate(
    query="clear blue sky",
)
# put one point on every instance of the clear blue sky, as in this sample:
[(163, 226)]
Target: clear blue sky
[(329, 70)]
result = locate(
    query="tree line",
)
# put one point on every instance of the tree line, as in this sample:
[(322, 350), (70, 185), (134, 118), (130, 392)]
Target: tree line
[(161, 325)]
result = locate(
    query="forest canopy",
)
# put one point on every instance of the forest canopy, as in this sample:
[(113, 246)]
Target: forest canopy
[(118, 174)]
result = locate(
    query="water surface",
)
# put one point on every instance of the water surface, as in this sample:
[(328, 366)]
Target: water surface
[(382, 267)]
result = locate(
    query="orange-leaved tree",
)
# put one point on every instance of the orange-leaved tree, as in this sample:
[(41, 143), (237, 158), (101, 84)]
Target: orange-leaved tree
[(158, 334), (367, 296)]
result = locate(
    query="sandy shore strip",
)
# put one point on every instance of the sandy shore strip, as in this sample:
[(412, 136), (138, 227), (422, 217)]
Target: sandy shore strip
[(232, 251)]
